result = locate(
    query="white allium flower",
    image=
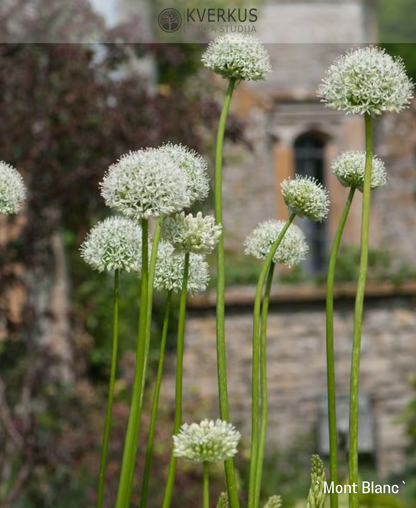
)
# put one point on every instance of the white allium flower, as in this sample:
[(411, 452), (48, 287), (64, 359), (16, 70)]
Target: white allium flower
[(114, 244), (207, 442), (366, 80), (170, 267), (306, 197), (12, 189), (146, 183), (194, 166), (292, 249), (349, 168), (191, 234), (238, 56)]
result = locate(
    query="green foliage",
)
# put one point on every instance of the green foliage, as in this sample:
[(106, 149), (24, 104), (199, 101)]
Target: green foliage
[(348, 262)]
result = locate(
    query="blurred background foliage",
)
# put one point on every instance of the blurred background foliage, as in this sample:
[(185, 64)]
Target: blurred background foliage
[(68, 112)]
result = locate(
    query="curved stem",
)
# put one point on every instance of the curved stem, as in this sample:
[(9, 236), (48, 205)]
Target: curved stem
[(221, 351), (104, 452), (358, 315), (149, 452), (263, 381), (130, 445), (179, 380), (151, 277), (330, 357), (255, 371), (206, 485)]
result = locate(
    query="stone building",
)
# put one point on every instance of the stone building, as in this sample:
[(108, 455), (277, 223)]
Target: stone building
[(292, 132)]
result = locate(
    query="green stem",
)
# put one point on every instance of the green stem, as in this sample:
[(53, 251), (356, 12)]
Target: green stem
[(179, 381), (330, 358), (221, 351), (263, 379), (130, 445), (206, 485), (149, 452), (256, 361), (151, 277), (104, 452), (358, 314)]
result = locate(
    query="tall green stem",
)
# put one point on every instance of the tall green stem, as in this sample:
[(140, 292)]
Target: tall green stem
[(263, 381), (149, 452), (330, 357), (107, 426), (206, 485), (358, 314), (179, 381), (130, 445), (221, 352), (255, 372)]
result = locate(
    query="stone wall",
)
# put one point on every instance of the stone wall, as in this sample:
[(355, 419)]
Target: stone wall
[(296, 361)]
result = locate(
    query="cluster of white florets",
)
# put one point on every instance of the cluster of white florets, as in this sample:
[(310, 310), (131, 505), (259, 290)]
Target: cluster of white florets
[(306, 197), (349, 168), (170, 270), (187, 233), (238, 56), (12, 189), (207, 442), (292, 249), (114, 244), (366, 80)]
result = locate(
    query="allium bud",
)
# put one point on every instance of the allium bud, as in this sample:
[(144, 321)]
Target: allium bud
[(170, 268), (194, 166), (12, 189), (316, 497), (306, 197), (274, 502), (292, 249), (191, 234), (349, 168), (146, 183), (238, 56), (114, 244), (207, 442), (223, 501), (367, 80)]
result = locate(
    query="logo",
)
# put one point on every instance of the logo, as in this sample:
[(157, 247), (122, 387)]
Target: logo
[(170, 20)]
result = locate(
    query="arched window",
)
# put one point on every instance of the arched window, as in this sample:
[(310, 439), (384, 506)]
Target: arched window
[(310, 161)]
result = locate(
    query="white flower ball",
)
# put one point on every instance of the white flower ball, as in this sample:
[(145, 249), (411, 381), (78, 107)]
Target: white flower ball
[(349, 168), (12, 189), (306, 197)]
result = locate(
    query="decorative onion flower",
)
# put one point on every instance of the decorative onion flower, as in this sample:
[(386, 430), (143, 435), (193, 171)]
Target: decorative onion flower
[(207, 442), (114, 244), (274, 502), (146, 183), (366, 80), (12, 189), (316, 497), (223, 501), (170, 267), (306, 197), (194, 166), (292, 249), (191, 234), (238, 56), (349, 168)]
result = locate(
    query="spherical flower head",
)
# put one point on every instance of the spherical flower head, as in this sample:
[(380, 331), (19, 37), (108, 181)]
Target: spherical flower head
[(114, 244), (12, 189), (170, 268), (238, 56), (194, 166), (191, 234), (292, 249), (306, 197), (207, 442), (349, 168), (367, 80), (146, 183)]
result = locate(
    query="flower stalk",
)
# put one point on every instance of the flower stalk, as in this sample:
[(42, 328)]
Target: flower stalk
[(358, 314), (220, 324), (107, 426), (330, 357), (206, 485)]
